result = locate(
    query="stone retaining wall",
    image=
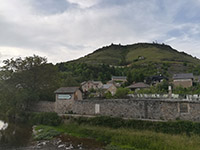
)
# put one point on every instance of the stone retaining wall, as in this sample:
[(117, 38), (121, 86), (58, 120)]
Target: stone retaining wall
[(140, 109), (158, 109), (43, 106)]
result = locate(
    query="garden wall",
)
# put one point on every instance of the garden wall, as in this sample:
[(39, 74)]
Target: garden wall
[(157, 109)]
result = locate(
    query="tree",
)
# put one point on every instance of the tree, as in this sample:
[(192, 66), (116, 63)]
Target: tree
[(24, 81)]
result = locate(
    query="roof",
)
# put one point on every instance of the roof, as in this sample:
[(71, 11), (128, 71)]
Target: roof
[(118, 77), (107, 86), (97, 82), (183, 76), (94, 82), (83, 83), (157, 78), (138, 85), (63, 90)]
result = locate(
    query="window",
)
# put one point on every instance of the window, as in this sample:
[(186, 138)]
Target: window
[(183, 108)]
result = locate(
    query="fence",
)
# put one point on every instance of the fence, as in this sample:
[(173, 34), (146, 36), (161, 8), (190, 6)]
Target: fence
[(195, 97)]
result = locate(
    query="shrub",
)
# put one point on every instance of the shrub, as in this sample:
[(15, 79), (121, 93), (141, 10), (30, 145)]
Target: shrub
[(108, 95), (45, 118), (170, 127), (121, 92)]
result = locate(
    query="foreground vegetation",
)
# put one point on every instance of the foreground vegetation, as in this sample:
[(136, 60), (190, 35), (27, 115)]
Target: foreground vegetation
[(123, 138)]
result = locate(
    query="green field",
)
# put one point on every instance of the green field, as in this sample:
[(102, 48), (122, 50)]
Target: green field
[(130, 139)]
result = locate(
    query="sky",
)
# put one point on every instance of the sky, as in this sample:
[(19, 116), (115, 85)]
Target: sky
[(63, 30)]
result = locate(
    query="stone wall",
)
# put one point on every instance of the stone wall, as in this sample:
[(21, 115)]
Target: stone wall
[(141, 109), (157, 109), (43, 106)]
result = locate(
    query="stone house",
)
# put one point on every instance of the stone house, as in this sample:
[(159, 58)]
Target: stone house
[(87, 85), (65, 98), (185, 80), (138, 86), (109, 88), (117, 80)]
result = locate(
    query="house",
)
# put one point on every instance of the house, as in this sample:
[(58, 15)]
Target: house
[(109, 88), (65, 97), (152, 80), (117, 84), (185, 80), (138, 86), (87, 85), (119, 78)]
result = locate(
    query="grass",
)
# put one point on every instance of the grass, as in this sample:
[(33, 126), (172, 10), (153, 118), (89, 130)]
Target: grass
[(128, 139), (157, 53), (43, 132)]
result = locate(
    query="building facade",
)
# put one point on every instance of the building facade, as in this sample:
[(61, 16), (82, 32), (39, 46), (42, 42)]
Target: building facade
[(65, 98), (183, 80), (87, 85)]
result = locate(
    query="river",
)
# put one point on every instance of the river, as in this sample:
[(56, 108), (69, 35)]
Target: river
[(19, 137), (14, 136)]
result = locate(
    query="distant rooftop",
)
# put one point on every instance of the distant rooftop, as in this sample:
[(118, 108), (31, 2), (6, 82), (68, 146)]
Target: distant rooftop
[(106, 86), (183, 76), (118, 77), (138, 85), (94, 82), (69, 90)]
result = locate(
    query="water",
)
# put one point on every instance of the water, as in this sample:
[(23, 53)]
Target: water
[(14, 136)]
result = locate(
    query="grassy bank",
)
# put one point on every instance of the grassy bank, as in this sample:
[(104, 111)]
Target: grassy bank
[(125, 138)]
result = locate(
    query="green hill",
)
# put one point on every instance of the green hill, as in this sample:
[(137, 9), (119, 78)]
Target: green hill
[(136, 61), (137, 54)]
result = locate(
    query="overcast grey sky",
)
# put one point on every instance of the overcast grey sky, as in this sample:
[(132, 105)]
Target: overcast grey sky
[(63, 30)]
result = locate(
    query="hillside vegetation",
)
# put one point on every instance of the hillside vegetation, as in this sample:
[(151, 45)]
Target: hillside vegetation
[(137, 54)]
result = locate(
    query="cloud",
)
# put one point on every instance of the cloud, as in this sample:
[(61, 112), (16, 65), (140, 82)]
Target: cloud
[(64, 30), (84, 3)]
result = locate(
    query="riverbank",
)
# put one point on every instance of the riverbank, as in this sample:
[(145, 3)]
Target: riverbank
[(119, 138)]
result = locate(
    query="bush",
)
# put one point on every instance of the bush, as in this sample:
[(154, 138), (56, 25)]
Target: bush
[(121, 92), (170, 127), (45, 118), (108, 95)]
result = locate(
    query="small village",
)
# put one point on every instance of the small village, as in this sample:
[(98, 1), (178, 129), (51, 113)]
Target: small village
[(96, 98), (100, 75), (96, 89)]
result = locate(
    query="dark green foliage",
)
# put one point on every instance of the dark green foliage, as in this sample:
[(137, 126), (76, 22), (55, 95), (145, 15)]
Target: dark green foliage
[(170, 127), (108, 95), (160, 88), (79, 72), (121, 92), (45, 118), (23, 81), (195, 89)]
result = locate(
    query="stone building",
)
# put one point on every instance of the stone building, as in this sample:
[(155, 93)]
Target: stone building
[(65, 98), (87, 85), (185, 80), (138, 86), (109, 88), (119, 78)]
